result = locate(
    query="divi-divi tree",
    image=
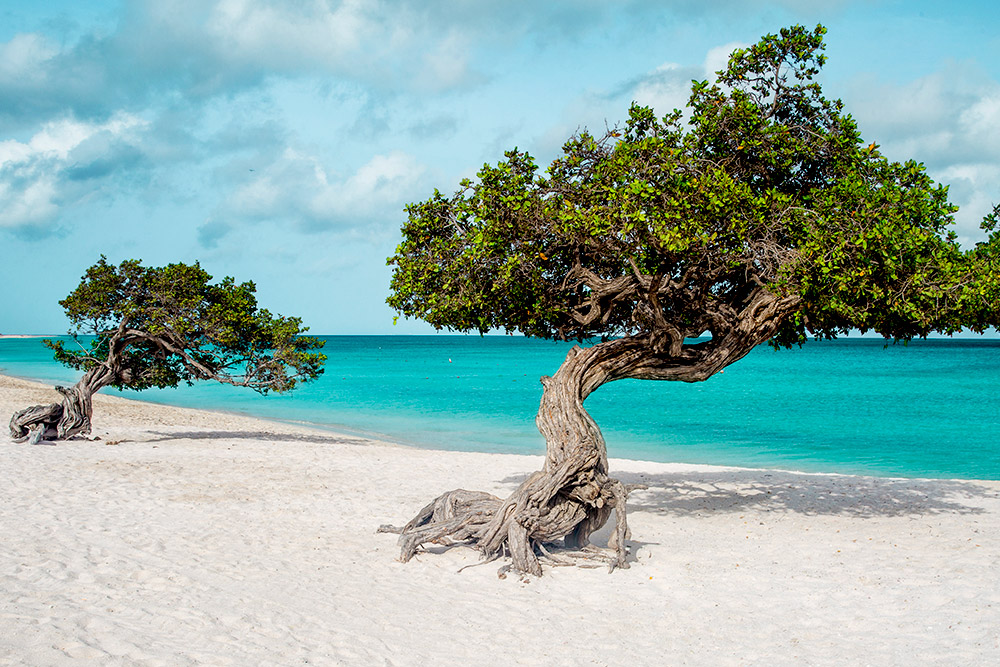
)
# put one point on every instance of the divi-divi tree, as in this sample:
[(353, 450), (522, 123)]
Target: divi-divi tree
[(672, 246), (137, 327)]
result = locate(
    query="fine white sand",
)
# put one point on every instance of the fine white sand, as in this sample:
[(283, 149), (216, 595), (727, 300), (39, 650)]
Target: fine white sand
[(195, 538)]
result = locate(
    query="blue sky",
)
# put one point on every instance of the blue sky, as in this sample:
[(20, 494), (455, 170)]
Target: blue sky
[(280, 141)]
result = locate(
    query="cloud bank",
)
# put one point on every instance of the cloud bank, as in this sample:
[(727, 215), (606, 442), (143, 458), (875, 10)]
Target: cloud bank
[(948, 120), (62, 163)]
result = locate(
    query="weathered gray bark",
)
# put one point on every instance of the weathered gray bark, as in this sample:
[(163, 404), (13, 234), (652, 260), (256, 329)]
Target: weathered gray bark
[(573, 495), (60, 421)]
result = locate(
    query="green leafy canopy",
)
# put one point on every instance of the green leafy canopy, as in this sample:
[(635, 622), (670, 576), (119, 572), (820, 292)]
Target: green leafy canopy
[(669, 226), (160, 326)]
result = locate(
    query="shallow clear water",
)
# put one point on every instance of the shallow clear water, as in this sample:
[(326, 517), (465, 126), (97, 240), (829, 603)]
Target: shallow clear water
[(851, 405)]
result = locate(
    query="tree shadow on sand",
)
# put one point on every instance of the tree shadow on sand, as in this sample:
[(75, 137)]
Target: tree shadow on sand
[(313, 438), (694, 493)]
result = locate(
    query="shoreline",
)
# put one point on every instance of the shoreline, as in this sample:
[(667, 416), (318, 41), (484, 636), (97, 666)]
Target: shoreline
[(388, 441), (303, 425), (192, 537), (122, 409)]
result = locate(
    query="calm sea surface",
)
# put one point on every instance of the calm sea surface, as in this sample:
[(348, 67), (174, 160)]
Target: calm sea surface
[(928, 409)]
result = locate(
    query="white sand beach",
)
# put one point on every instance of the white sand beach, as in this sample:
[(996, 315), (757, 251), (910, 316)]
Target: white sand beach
[(194, 538)]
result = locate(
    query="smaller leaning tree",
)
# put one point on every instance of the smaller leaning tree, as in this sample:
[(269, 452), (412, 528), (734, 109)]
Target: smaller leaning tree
[(761, 217), (160, 326)]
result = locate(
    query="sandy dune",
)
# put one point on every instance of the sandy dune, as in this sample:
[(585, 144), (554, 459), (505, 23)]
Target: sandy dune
[(194, 538)]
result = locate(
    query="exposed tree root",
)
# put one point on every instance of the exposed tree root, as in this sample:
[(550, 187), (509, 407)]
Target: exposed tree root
[(589, 557), (521, 531), (56, 420)]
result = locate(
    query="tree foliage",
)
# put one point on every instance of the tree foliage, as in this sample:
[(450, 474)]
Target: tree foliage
[(758, 214), (160, 326), (667, 228)]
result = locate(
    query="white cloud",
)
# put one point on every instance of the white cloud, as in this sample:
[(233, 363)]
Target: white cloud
[(297, 187), (24, 56), (446, 64), (293, 34), (198, 49), (29, 205), (947, 120), (228, 44), (379, 186), (717, 58), (53, 167), (667, 88), (981, 121)]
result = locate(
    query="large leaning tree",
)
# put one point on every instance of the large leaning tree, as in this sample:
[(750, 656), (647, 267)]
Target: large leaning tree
[(678, 244), (160, 326)]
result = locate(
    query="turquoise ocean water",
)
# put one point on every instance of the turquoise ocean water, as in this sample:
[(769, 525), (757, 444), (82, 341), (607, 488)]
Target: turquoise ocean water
[(853, 405)]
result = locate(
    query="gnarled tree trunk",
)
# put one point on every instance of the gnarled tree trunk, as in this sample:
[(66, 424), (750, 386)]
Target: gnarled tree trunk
[(60, 421), (569, 499), (573, 495)]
